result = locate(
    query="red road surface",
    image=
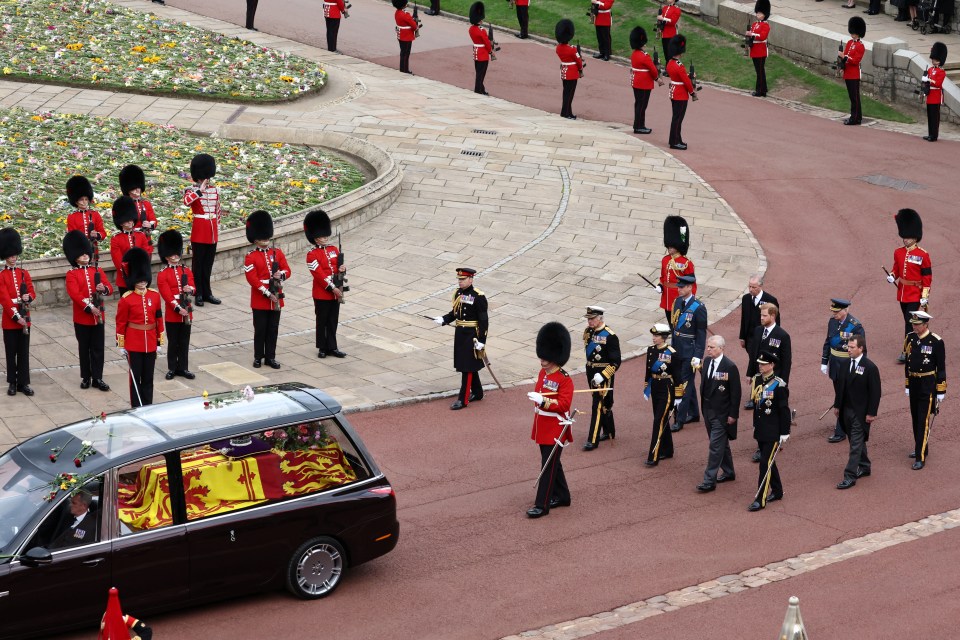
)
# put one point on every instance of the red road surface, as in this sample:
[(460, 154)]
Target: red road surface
[(470, 565)]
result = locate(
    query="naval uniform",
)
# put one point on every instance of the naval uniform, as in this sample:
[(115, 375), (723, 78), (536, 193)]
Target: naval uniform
[(689, 338), (602, 347), (469, 316), (835, 354), (771, 419), (926, 378), (663, 386)]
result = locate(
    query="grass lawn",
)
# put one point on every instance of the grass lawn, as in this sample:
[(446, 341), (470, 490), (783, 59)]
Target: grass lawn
[(716, 54)]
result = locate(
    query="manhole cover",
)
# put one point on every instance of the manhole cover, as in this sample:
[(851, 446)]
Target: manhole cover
[(893, 183)]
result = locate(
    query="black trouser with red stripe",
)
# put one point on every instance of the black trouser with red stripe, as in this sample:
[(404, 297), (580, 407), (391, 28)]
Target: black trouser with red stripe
[(905, 309), (470, 387), (553, 484), (328, 317), (141, 377)]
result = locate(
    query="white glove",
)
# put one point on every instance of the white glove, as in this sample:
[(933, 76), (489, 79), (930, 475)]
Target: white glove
[(941, 396), (783, 439), (123, 353), (907, 391), (694, 362), (478, 345), (891, 279), (677, 402), (597, 379), (823, 369), (439, 320), (659, 289), (923, 302), (535, 397), (159, 350)]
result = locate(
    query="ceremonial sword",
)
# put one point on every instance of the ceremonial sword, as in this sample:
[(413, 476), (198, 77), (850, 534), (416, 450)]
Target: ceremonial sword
[(133, 378), (763, 483), (557, 443), (486, 361)]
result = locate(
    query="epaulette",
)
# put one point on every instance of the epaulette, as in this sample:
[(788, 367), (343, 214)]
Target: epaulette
[(152, 289), (671, 349), (936, 336), (565, 374), (609, 330), (478, 292), (126, 294), (782, 383)]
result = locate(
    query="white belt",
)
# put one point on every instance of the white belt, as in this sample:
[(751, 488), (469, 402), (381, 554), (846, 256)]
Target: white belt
[(206, 216), (640, 70), (567, 64), (549, 414), (404, 27), (759, 42), (479, 46), (604, 11), (675, 82), (329, 4), (936, 88)]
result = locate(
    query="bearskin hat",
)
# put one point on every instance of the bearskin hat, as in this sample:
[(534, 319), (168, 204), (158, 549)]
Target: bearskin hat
[(564, 31), (78, 187), (678, 45), (553, 343), (939, 52), (138, 267), (909, 224), (132, 177), (477, 13), (170, 243), (316, 224), (202, 167), (762, 6), (638, 38), (676, 234), (76, 244), (259, 226), (399, 4), (124, 210), (10, 244), (857, 26)]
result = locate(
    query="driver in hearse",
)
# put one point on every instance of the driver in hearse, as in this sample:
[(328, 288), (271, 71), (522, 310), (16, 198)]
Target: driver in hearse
[(81, 526)]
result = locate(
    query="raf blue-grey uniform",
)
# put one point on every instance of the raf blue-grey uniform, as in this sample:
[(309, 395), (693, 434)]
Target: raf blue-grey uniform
[(835, 353), (689, 339)]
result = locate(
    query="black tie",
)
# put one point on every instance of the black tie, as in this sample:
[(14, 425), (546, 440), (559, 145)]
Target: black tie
[(853, 365), (766, 332), (713, 364)]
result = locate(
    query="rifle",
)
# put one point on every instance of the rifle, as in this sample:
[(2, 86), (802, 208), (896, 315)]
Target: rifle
[(23, 308), (512, 3), (656, 63), (693, 81), (924, 89), (841, 61), (91, 229), (338, 279), (416, 18), (346, 5), (748, 39), (142, 220), (593, 12), (583, 62), (658, 28), (493, 42), (97, 298), (275, 288), (185, 301)]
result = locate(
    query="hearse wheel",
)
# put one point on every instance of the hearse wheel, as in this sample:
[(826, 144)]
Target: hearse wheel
[(315, 568)]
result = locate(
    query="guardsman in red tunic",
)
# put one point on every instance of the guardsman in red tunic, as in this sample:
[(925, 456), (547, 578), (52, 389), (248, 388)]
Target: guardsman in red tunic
[(84, 219), (852, 55), (523, 17), (482, 47), (333, 11), (600, 11), (140, 326), (266, 269), (935, 76), (16, 294), (760, 31), (680, 91), (571, 65), (668, 20), (133, 183), (177, 286), (125, 217), (676, 240), (643, 73), (203, 198), (326, 266), (912, 270), (87, 285), (552, 417), (407, 31)]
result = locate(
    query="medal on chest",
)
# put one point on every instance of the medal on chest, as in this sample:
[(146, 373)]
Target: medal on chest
[(551, 385), (467, 299)]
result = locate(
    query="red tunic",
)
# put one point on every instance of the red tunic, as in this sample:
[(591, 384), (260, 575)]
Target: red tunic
[(406, 26), (936, 76), (914, 273), (80, 221), (522, 3), (643, 72), (140, 321), (602, 19), (119, 245), (570, 62), (10, 281), (257, 266), (169, 283), (853, 52), (144, 214), (760, 32), (323, 262), (334, 8), (671, 20), (205, 206), (481, 43), (81, 286), (680, 85), (546, 419), (670, 270)]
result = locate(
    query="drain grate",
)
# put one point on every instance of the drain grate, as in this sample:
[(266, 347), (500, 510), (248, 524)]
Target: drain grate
[(485, 132), (472, 153), (893, 183)]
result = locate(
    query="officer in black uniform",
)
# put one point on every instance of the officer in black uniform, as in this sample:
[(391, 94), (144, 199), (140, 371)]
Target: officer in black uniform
[(664, 387), (469, 316), (771, 427), (926, 381), (689, 321), (603, 359), (841, 327)]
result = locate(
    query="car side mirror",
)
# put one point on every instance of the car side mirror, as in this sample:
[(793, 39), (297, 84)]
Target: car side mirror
[(36, 557)]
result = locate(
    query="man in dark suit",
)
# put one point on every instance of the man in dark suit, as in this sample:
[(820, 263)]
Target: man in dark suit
[(856, 403), (720, 402), (689, 322), (750, 316), (81, 526)]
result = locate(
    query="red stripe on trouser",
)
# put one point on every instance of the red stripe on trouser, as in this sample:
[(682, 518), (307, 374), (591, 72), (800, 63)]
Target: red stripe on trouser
[(466, 392)]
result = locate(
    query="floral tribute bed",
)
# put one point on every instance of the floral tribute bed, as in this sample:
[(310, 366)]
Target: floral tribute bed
[(107, 46)]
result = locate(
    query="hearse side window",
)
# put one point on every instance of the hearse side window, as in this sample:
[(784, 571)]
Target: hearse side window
[(143, 496), (268, 466), (76, 519)]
